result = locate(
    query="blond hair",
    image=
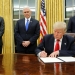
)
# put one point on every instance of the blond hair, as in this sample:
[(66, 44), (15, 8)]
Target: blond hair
[(59, 25)]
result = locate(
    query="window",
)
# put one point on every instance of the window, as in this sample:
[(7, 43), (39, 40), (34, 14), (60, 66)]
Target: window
[(18, 7), (69, 9)]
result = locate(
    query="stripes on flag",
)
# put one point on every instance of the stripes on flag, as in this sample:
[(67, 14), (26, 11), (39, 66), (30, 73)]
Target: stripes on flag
[(43, 27)]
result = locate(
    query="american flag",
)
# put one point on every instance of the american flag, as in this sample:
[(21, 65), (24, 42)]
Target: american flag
[(43, 27)]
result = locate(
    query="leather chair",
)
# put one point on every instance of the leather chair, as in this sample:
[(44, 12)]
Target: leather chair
[(71, 34)]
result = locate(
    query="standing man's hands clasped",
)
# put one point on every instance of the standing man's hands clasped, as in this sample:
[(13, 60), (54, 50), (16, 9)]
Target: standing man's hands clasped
[(26, 43)]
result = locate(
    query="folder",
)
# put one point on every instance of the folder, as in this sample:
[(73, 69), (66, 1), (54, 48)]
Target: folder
[(50, 60), (67, 59), (58, 59)]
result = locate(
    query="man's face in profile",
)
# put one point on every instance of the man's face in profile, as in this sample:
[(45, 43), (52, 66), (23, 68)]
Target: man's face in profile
[(58, 33)]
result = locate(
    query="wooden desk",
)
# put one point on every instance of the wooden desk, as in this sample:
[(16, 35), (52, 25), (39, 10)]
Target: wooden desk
[(20, 64)]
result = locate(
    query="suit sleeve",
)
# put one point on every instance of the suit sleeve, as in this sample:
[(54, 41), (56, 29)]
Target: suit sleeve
[(17, 35), (69, 26), (37, 33), (2, 27), (40, 47), (70, 51)]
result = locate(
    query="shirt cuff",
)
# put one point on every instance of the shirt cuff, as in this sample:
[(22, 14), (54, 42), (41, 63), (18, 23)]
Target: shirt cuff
[(38, 54)]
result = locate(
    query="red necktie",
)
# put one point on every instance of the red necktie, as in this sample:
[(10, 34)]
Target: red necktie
[(57, 47), (57, 69)]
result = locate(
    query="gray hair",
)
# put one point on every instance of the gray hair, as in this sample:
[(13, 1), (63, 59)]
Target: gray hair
[(59, 25), (26, 7)]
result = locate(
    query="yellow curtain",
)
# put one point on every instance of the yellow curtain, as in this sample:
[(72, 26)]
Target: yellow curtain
[(8, 62), (54, 12), (6, 13)]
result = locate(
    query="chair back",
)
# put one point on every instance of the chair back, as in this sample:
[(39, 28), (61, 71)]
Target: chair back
[(71, 34)]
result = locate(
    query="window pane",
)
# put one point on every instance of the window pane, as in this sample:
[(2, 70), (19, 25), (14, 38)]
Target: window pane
[(21, 13), (68, 12), (31, 3), (33, 14), (16, 14), (66, 22), (74, 11), (14, 23), (74, 2), (16, 3), (68, 2), (23, 3)]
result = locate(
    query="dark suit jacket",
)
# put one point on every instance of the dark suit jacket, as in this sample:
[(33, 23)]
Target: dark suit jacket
[(31, 34), (2, 26), (67, 47), (71, 25)]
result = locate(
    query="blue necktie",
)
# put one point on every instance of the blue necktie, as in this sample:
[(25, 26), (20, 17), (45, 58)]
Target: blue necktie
[(27, 23)]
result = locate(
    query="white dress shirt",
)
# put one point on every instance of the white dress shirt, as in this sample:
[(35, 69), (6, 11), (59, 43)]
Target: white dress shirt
[(27, 19), (60, 42)]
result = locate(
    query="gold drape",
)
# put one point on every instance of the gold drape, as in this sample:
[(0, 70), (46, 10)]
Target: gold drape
[(54, 12), (6, 13), (8, 64)]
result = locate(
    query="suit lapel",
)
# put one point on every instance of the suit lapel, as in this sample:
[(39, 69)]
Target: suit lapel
[(30, 23), (23, 22), (52, 43), (64, 43)]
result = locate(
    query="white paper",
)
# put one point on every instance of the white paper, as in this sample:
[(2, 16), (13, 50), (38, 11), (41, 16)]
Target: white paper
[(67, 59), (50, 60)]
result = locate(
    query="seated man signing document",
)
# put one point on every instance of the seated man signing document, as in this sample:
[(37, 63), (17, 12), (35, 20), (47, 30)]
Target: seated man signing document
[(56, 44)]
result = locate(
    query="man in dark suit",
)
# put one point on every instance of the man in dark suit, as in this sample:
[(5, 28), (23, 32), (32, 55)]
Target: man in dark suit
[(27, 31), (66, 43), (71, 25), (2, 26)]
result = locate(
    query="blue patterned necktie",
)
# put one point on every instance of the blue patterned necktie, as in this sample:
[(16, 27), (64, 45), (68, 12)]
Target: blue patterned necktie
[(27, 23)]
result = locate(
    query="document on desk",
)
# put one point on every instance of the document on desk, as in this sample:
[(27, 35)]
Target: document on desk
[(67, 59), (50, 60)]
